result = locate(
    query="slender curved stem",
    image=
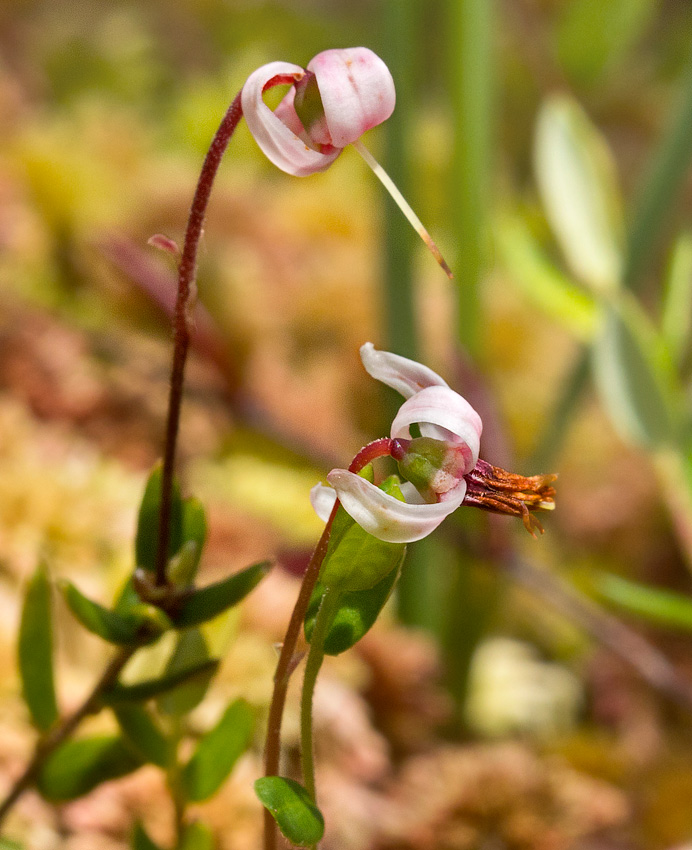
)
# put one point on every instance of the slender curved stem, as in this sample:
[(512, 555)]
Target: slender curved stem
[(312, 668), (48, 744), (182, 321)]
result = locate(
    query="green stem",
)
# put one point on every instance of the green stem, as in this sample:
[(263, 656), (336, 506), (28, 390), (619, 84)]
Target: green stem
[(312, 668)]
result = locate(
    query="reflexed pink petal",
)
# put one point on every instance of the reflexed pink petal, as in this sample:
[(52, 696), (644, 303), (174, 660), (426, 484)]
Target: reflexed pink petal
[(443, 415), (385, 517), (401, 374), (357, 92), (322, 500), (278, 142)]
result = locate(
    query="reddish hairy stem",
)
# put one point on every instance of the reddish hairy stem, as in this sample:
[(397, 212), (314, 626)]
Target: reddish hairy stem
[(182, 318)]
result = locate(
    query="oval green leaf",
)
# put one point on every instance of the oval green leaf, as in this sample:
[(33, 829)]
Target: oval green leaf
[(191, 650), (210, 601), (292, 808), (147, 537), (36, 651), (217, 753), (141, 840), (143, 733), (199, 674), (79, 765)]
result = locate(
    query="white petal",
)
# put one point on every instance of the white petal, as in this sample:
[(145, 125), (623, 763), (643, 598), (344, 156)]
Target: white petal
[(357, 91), (278, 142), (401, 374), (443, 415), (385, 517), (322, 500)]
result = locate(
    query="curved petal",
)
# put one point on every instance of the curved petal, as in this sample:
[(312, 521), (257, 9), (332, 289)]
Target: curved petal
[(443, 415), (401, 374), (322, 500), (385, 517), (357, 91), (278, 142)]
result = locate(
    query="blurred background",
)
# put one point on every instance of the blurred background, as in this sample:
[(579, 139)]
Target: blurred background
[(517, 693)]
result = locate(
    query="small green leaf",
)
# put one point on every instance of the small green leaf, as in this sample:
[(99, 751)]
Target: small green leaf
[(140, 839), (79, 765), (292, 808), (217, 752), (147, 540), (676, 318), (140, 624), (661, 607), (210, 601), (200, 673), (143, 733), (36, 651), (578, 184), (355, 614), (191, 649), (196, 836), (635, 377)]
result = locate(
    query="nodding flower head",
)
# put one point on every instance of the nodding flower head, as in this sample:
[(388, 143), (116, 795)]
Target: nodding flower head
[(441, 468), (331, 103)]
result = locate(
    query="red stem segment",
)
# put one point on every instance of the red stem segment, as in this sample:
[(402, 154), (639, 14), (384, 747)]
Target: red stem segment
[(182, 321)]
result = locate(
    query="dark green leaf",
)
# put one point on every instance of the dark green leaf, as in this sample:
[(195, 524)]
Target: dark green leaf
[(79, 765), (217, 752), (662, 607), (146, 541), (208, 602), (143, 733), (36, 651), (296, 814), (141, 841), (200, 673), (197, 836), (190, 650), (355, 614), (140, 624)]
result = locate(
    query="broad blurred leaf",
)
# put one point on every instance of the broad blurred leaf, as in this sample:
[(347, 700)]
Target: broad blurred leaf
[(296, 814), (140, 624), (191, 650), (183, 569), (577, 180), (356, 560), (634, 377), (210, 601), (676, 318), (36, 651), (142, 732), (79, 765), (146, 541), (198, 674), (140, 839), (662, 607), (545, 285), (196, 836), (356, 612), (217, 752), (594, 35)]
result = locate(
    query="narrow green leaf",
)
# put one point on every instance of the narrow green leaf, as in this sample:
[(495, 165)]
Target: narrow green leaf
[(81, 764), (200, 673), (196, 836), (140, 624), (143, 733), (146, 541), (191, 649), (578, 184), (210, 601), (36, 651), (676, 318), (355, 615), (217, 753), (292, 808), (541, 282), (141, 840), (634, 377), (661, 607)]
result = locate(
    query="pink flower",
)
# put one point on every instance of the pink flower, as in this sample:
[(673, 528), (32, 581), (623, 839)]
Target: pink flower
[(340, 95)]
